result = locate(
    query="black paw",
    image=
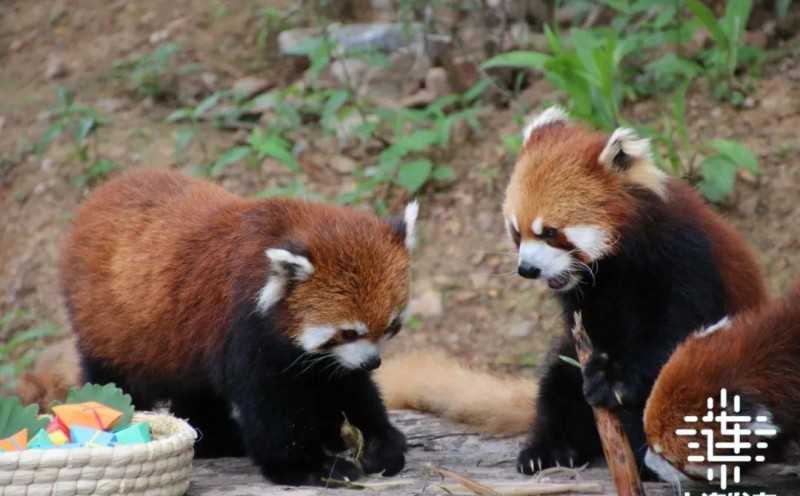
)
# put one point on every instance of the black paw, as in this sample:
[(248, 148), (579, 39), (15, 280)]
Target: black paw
[(541, 455), (385, 453), (598, 388)]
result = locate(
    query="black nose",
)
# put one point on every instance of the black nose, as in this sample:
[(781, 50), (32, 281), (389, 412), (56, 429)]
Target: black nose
[(529, 271), (371, 364)]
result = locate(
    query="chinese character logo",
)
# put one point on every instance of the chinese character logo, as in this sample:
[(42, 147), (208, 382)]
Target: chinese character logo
[(733, 446)]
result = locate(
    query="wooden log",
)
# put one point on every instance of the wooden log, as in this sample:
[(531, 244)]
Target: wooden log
[(616, 447)]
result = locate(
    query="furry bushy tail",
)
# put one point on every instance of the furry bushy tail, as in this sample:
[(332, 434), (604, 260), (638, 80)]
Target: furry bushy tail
[(433, 382)]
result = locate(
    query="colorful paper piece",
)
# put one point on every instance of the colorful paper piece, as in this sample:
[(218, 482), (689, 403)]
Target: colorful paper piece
[(90, 438), (58, 438), (135, 434), (17, 442), (56, 425), (89, 414), (40, 441)]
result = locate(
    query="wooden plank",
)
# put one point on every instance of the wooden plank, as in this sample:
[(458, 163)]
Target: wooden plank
[(432, 441)]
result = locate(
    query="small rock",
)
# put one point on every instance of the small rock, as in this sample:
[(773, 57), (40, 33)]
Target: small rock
[(111, 105), (747, 176), (427, 304), (436, 85), (39, 189), (521, 330), (47, 165), (16, 45), (248, 87), (159, 37), (56, 68), (210, 80), (343, 164)]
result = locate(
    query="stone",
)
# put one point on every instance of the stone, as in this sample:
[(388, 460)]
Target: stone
[(343, 164), (248, 87), (56, 67)]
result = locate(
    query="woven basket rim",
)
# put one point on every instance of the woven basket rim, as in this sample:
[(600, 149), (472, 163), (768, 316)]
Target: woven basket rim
[(181, 431)]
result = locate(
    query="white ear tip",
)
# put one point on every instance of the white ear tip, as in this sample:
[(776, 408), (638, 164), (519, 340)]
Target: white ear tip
[(553, 114), (410, 220)]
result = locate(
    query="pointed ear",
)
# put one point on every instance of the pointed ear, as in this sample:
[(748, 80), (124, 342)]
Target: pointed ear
[(554, 115), (405, 228), (623, 149), (289, 262)]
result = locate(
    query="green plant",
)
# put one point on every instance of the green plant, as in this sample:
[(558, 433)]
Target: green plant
[(82, 122), (151, 75), (19, 335), (729, 50)]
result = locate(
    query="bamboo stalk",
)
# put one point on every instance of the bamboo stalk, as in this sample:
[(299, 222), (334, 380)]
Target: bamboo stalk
[(616, 447), (517, 489)]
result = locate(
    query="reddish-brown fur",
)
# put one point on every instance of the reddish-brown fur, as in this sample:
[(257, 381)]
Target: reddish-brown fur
[(156, 261), (757, 357), (741, 276)]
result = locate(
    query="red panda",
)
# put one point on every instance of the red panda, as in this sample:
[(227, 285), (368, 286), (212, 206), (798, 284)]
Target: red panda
[(641, 257), (754, 356), (258, 320)]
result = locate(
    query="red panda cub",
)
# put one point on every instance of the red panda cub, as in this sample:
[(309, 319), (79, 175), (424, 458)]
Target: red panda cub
[(638, 253), (755, 356), (258, 320)]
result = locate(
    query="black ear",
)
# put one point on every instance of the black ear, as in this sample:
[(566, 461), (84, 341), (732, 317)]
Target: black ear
[(404, 227)]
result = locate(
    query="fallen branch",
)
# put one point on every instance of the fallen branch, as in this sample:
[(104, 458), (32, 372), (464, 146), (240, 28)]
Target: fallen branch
[(525, 488), (616, 447)]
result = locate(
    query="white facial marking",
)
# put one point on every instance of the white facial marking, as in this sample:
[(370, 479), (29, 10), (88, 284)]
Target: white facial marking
[(236, 415), (592, 240), (551, 261), (311, 338), (549, 116), (357, 326), (352, 355), (282, 265), (537, 226), (662, 467), (723, 323), (410, 219)]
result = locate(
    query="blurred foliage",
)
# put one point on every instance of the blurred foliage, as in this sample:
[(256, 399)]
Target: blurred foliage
[(642, 53), (20, 335)]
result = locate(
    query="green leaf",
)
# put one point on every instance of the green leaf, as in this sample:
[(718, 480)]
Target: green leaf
[(443, 173), (85, 127), (109, 395), (180, 115), (274, 146), (231, 156), (14, 417), (414, 174), (569, 360), (737, 153), (719, 176), (418, 141), (206, 105), (708, 19), (520, 59), (183, 137)]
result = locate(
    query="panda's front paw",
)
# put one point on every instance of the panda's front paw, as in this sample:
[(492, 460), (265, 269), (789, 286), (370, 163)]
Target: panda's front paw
[(385, 452)]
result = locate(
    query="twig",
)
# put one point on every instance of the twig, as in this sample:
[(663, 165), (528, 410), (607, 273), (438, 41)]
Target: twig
[(516, 489), (473, 485), (616, 447)]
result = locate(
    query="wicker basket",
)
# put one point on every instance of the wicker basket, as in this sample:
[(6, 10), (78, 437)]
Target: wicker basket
[(161, 467)]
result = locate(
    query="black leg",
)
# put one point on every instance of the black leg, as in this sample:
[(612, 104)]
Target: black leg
[(97, 372), (564, 431), (384, 444), (212, 416)]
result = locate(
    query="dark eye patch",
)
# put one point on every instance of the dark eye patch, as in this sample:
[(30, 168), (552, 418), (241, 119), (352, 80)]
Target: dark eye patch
[(549, 233), (394, 328), (349, 334)]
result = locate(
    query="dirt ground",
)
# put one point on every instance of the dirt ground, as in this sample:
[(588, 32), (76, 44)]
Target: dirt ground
[(469, 300)]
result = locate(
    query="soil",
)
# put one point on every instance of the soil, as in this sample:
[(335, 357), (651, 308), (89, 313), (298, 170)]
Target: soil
[(488, 315)]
